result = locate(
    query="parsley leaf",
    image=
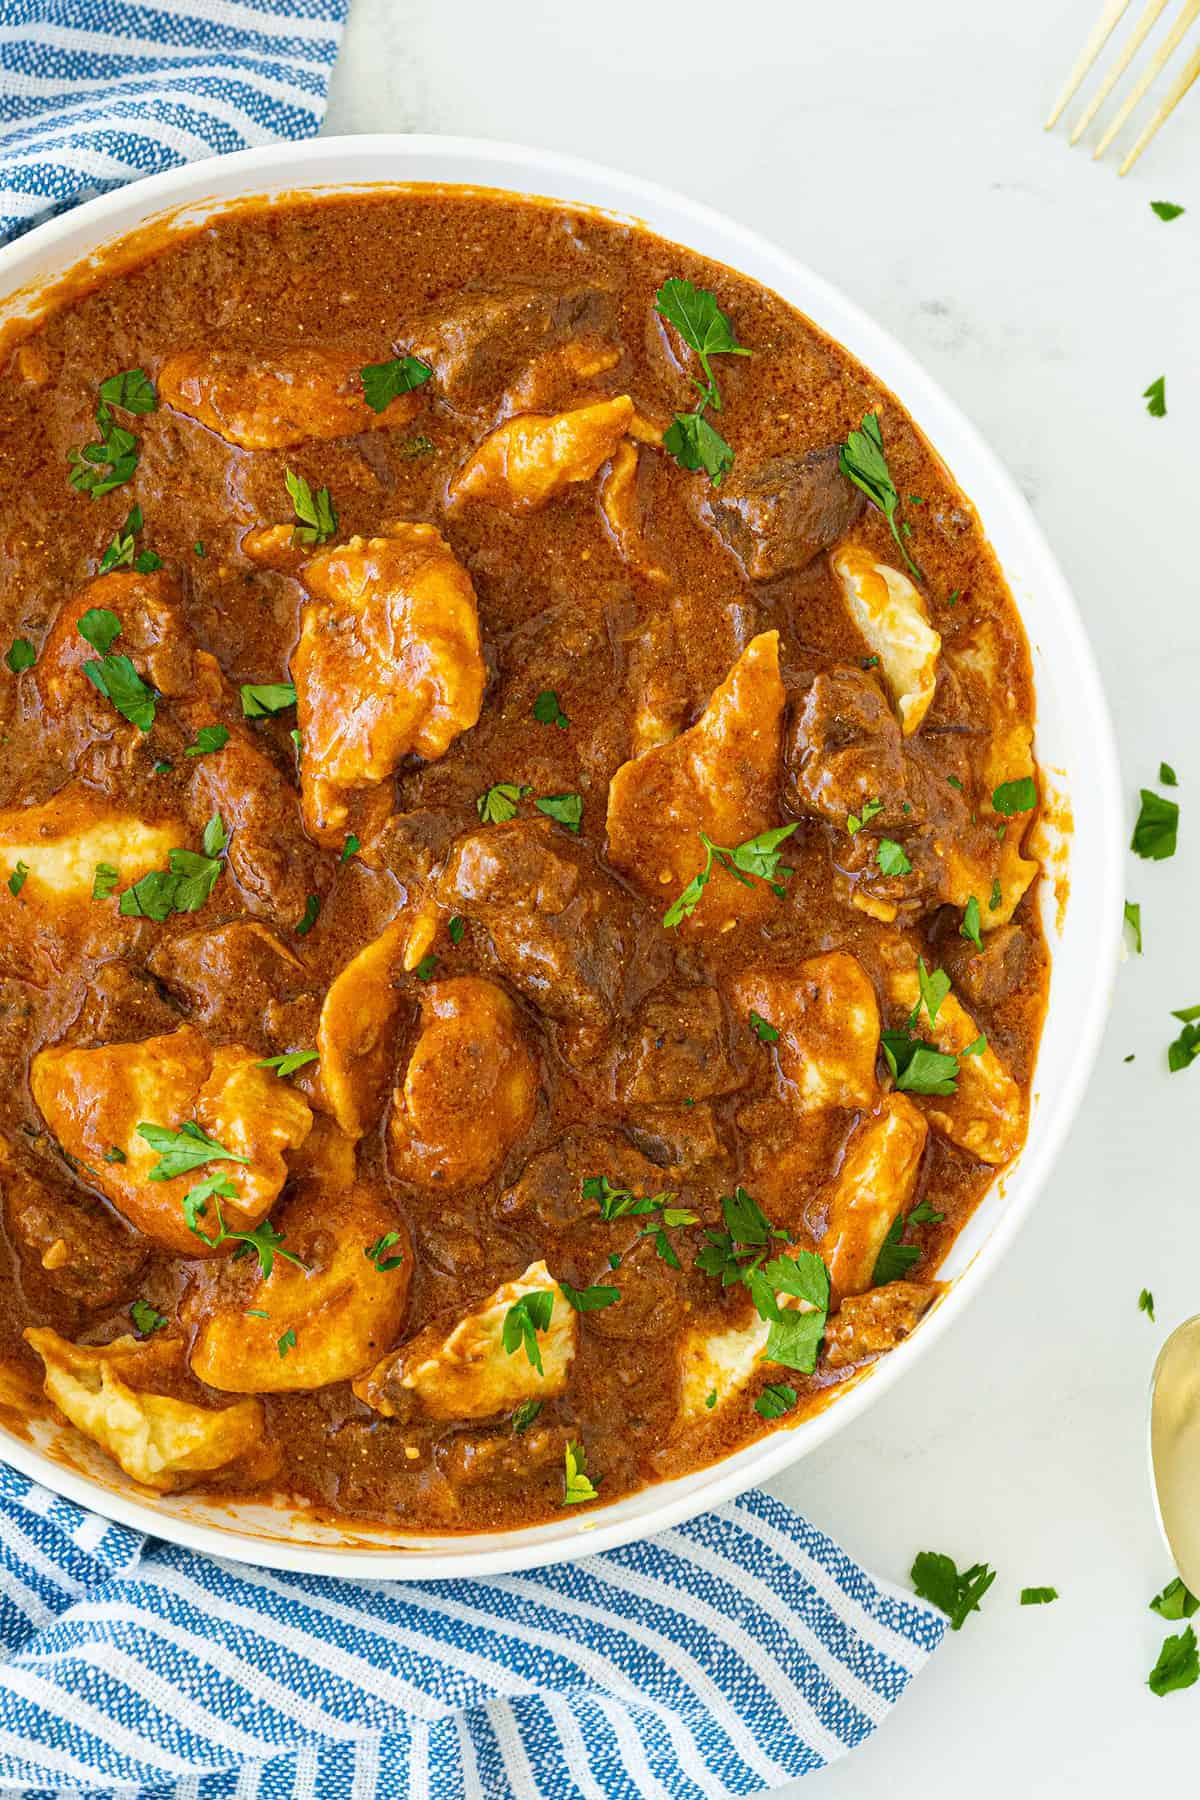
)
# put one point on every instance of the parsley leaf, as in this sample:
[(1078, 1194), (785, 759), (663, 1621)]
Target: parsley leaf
[(288, 1064), (936, 1578), (917, 1067), (971, 923), (576, 1485), (589, 1299), (116, 678), (891, 858), (861, 460), (386, 381), (1155, 397), (1015, 796), (1184, 1050), (763, 1030), (120, 552), (547, 711), (1038, 1596), (1165, 209), (104, 881), (522, 1322), (775, 1400), (316, 519), (426, 966), (895, 1259), (264, 1241), (705, 329), (1175, 1602), (1167, 775), (1156, 832), (20, 656), (756, 856), (261, 698), (377, 1252), (133, 391), (184, 885), (350, 848), (312, 908), (855, 822), (1146, 1304), (18, 878), (1178, 1665), (499, 804), (179, 1152), (456, 929), (146, 1318), (115, 451), (567, 809), (525, 1414), (696, 445), (934, 986), (1133, 918), (286, 1342), (208, 739)]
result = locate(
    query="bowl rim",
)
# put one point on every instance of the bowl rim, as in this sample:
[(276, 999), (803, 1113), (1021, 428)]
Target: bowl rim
[(306, 169)]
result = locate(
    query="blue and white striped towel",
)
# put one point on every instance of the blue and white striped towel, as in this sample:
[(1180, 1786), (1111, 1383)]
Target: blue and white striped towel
[(722, 1658)]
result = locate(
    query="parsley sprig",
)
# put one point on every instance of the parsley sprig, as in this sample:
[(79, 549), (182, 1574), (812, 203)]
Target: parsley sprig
[(185, 884), (620, 1203), (123, 553), (691, 439), (316, 516), (577, 1487), (935, 1577), (862, 460), (523, 1321), (757, 856), (739, 1253)]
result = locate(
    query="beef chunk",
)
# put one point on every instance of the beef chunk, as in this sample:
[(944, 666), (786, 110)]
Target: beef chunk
[(679, 1051), (679, 1137), (479, 339), (562, 931), (122, 1002), (844, 748), (472, 1458), (775, 518), (71, 1243), (229, 977), (990, 975)]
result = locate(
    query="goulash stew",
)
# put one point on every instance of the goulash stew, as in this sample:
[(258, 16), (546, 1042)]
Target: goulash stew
[(518, 941)]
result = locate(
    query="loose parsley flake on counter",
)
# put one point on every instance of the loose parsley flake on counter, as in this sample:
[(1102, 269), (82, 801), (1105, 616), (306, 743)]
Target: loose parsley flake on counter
[(1184, 1049), (1178, 1665), (691, 439), (377, 1252), (523, 1321), (1167, 775), (1166, 209), (1155, 397), (146, 1318), (1015, 796), (1038, 1596), (547, 711), (757, 856), (386, 381), (1156, 833), (891, 858), (20, 656), (1175, 1602), (499, 803), (775, 1400), (566, 809), (1133, 918), (576, 1485), (261, 698), (936, 1578), (1146, 1304), (862, 461), (288, 1064), (316, 517)]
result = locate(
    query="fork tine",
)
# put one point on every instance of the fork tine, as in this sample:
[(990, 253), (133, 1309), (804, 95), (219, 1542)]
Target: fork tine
[(1162, 57), (1113, 11), (1164, 112), (1136, 38)]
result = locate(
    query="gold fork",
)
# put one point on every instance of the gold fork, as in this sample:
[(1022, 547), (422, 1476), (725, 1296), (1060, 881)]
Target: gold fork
[(1106, 24)]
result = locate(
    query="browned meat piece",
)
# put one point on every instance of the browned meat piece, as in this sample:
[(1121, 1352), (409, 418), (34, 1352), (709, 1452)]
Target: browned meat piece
[(122, 1001), (226, 978), (549, 1195), (268, 403), (678, 1137), (775, 518), (844, 749), (475, 1458), (990, 975), (272, 863), (479, 340), (562, 930), (868, 1324), (679, 1050), (71, 1243)]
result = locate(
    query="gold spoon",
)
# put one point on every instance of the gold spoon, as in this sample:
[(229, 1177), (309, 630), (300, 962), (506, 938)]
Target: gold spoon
[(1175, 1447)]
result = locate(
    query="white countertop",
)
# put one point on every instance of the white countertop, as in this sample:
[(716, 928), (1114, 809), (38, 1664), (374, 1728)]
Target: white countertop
[(898, 149)]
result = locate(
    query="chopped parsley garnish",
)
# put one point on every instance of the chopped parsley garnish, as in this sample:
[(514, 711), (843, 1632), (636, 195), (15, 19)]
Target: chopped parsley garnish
[(710, 1399), (456, 928), (739, 1254), (525, 1414), (758, 856), (862, 461), (146, 1318), (198, 549), (20, 656), (386, 381), (970, 923), (18, 878), (121, 552), (1146, 1304), (115, 676), (763, 1030), (110, 461), (1133, 918), (261, 698), (933, 985), (1165, 209), (774, 1401), (288, 1064), (208, 739), (114, 1154), (856, 821), (589, 1299), (179, 1152), (1038, 1596), (891, 858), (620, 1203), (104, 881), (1175, 1602), (132, 390), (500, 802), (99, 628), (1015, 796), (576, 1485), (161, 768), (936, 1578), (350, 848), (1186, 1047), (184, 885), (286, 1342), (522, 1322), (547, 711), (954, 782), (305, 923), (1178, 1665), (377, 1252), (316, 518), (895, 1258), (1167, 775), (1156, 832), (566, 809), (426, 966), (705, 329), (264, 1241), (1155, 397)]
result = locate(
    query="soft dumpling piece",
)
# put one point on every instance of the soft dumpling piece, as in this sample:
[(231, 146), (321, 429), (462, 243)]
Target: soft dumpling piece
[(875, 1183), (269, 403), (470, 1091), (94, 1100), (894, 621), (465, 1372), (986, 1116), (529, 459), (719, 777), (354, 1037), (158, 1440), (389, 663), (305, 1328)]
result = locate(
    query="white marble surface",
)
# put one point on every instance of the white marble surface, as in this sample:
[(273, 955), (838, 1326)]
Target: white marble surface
[(898, 149)]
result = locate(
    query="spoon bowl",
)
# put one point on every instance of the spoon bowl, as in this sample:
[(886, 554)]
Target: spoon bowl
[(1175, 1447)]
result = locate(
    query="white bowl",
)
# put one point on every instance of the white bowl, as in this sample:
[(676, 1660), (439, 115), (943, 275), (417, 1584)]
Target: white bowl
[(1075, 748)]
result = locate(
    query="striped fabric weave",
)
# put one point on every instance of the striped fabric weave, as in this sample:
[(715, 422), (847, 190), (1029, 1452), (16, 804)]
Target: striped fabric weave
[(96, 92), (722, 1658)]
